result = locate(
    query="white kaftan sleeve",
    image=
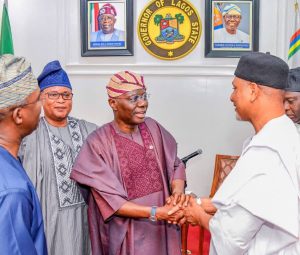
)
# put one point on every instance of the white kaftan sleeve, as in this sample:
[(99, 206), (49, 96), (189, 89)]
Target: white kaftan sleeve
[(232, 229)]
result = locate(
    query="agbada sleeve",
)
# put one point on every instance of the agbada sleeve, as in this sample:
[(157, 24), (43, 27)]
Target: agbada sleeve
[(94, 167), (15, 225), (179, 170), (232, 229)]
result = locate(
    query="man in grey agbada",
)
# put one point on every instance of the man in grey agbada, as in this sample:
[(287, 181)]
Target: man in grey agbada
[(48, 155)]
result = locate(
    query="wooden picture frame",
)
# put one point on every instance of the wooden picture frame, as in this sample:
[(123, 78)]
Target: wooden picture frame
[(231, 28), (106, 28)]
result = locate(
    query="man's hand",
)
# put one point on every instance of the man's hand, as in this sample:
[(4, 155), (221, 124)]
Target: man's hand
[(208, 206), (178, 198), (195, 214), (192, 212), (162, 213)]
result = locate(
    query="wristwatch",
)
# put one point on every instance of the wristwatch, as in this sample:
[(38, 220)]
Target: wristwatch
[(153, 213), (198, 201)]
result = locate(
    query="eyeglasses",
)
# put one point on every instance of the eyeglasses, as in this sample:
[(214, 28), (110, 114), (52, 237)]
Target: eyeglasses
[(134, 98), (235, 17), (56, 95)]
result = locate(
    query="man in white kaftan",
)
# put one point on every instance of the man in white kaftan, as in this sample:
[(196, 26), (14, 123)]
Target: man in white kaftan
[(48, 155), (258, 203), (260, 195)]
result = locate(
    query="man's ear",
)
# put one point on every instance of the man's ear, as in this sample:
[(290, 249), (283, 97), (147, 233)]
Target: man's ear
[(17, 115), (254, 91), (113, 104)]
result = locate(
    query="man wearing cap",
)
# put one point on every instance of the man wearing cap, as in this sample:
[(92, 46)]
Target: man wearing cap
[(258, 203), (48, 155), (232, 16), (21, 222), (132, 168), (292, 97), (107, 32)]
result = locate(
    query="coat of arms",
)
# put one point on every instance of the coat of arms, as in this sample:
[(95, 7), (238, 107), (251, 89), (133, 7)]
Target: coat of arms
[(169, 28)]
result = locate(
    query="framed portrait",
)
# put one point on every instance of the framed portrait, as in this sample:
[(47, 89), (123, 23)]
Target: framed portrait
[(231, 28), (106, 28)]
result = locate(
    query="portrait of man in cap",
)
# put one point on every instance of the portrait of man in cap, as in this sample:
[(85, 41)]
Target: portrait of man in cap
[(234, 33), (108, 28)]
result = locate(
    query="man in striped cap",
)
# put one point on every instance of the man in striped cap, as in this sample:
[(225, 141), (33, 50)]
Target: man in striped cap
[(132, 168), (22, 230), (232, 16)]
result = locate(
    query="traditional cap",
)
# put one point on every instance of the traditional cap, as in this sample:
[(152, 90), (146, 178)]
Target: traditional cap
[(16, 80), (123, 82), (294, 80), (263, 69), (231, 9), (53, 75), (108, 9)]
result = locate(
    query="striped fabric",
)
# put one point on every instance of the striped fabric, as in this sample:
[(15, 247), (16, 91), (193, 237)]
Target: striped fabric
[(232, 9), (16, 80), (294, 43), (294, 50), (94, 11), (123, 82)]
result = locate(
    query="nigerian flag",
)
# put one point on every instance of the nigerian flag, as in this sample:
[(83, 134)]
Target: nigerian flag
[(6, 42)]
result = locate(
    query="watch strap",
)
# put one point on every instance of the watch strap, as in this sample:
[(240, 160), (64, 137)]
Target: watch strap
[(153, 213)]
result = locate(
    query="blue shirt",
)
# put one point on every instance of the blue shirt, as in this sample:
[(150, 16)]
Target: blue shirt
[(21, 222)]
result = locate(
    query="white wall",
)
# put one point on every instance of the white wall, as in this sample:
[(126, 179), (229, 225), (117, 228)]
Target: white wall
[(190, 97)]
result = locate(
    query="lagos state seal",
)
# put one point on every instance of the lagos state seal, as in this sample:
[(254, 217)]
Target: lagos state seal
[(169, 29)]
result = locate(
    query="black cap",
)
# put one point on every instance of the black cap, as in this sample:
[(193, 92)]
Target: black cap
[(294, 80), (263, 69)]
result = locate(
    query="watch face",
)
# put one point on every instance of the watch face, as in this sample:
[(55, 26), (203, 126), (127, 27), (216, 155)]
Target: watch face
[(153, 213), (152, 218), (198, 200)]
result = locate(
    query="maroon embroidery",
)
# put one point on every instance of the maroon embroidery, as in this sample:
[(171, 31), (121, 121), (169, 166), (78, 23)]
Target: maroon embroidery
[(139, 167)]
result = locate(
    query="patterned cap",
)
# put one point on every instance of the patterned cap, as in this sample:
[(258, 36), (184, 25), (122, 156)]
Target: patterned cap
[(53, 75), (293, 80), (16, 80), (231, 9), (108, 9), (123, 82)]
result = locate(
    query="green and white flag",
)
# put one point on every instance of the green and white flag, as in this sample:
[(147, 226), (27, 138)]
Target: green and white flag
[(6, 42)]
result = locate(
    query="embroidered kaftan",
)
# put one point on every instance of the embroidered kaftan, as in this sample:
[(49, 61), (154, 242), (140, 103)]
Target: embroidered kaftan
[(48, 155)]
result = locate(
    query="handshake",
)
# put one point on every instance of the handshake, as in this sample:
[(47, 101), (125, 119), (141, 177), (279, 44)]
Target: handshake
[(182, 208)]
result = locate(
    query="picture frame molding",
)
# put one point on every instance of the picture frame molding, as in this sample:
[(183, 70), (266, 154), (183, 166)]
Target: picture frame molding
[(86, 52), (209, 52)]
